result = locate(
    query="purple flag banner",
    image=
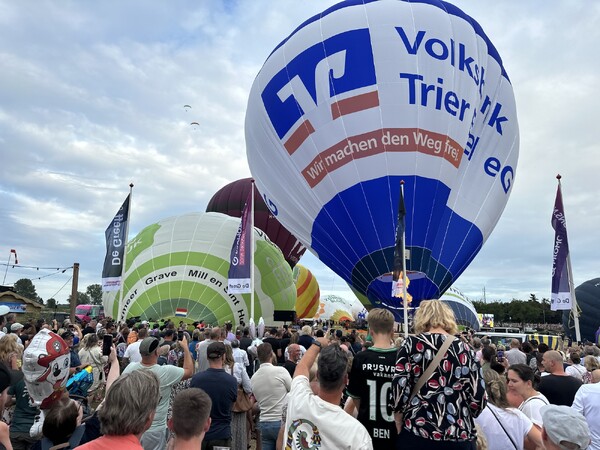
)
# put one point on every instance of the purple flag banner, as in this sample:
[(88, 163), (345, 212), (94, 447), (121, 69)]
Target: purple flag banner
[(116, 240), (561, 285), (241, 254)]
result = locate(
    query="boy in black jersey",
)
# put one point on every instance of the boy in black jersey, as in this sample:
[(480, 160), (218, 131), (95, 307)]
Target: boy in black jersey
[(370, 382)]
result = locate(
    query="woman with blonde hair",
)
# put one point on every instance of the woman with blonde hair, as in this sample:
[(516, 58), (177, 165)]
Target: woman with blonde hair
[(11, 353), (506, 428), (437, 391), (590, 363)]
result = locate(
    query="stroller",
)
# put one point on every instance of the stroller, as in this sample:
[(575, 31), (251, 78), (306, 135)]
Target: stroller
[(78, 386)]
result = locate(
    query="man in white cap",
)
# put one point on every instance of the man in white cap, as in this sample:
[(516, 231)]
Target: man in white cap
[(564, 429), (587, 402)]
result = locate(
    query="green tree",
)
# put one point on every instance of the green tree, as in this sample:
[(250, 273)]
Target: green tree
[(94, 292), (51, 303), (25, 288), (82, 298)]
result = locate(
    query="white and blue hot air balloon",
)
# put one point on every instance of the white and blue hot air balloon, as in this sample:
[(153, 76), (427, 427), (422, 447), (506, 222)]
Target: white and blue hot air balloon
[(369, 93)]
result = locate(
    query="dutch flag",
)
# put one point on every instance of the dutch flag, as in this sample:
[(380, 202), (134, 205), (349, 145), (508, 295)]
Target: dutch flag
[(180, 312)]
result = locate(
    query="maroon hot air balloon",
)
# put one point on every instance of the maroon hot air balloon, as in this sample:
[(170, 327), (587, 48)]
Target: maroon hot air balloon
[(231, 199)]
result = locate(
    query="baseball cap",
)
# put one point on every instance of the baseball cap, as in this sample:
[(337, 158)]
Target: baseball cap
[(215, 350), (150, 344), (67, 334), (9, 377), (16, 326), (565, 427)]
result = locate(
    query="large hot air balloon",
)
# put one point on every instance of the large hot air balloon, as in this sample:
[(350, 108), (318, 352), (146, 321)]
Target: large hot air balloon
[(367, 94), (179, 267), (307, 292), (231, 200), (463, 308), (588, 299)]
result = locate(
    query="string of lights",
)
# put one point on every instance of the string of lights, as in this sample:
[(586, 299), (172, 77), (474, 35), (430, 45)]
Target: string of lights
[(56, 270), (20, 266)]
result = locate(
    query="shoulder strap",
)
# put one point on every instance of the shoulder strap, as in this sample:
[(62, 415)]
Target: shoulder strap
[(505, 432), (432, 366)]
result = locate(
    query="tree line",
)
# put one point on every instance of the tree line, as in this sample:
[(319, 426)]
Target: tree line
[(92, 295), (531, 310)]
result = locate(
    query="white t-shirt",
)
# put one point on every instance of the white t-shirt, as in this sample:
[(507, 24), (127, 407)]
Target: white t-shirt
[(133, 352), (531, 408), (575, 371), (514, 421), (309, 416), (270, 386), (587, 402)]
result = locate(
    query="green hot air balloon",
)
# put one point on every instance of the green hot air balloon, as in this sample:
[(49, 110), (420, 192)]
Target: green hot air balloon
[(178, 268)]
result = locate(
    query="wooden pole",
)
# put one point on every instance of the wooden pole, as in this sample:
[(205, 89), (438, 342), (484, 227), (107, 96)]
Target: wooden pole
[(74, 286)]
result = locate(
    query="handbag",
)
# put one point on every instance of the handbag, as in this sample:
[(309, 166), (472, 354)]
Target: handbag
[(243, 402), (435, 363)]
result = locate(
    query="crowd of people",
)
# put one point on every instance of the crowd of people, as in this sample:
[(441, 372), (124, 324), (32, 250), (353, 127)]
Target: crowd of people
[(176, 386)]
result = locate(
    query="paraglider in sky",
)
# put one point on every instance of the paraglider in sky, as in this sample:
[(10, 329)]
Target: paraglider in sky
[(588, 300), (179, 266), (307, 292), (187, 107), (231, 200), (365, 95), (195, 125)]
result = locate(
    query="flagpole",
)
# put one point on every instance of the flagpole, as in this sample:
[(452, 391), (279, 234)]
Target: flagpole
[(7, 263), (404, 277), (252, 253), (574, 308), (120, 292)]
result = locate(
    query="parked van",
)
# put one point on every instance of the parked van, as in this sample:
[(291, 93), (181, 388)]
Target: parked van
[(503, 338), (85, 313)]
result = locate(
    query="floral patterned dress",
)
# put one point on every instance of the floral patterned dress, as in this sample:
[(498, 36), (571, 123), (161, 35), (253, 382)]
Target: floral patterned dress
[(444, 408)]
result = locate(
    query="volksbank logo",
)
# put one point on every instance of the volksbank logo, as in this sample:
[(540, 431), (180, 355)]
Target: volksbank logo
[(316, 75)]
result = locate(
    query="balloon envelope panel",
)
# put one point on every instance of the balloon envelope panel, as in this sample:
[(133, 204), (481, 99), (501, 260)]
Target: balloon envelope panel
[(231, 200), (463, 308), (363, 96), (307, 292), (340, 308), (588, 300), (179, 267)]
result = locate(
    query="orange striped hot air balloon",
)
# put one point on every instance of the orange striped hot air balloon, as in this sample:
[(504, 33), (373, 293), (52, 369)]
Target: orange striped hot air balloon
[(307, 292)]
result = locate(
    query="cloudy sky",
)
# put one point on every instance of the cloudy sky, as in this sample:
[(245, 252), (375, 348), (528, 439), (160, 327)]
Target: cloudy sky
[(92, 95)]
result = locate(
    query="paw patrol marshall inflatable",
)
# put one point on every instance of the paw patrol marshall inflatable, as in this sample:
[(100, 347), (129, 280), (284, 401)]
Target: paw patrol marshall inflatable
[(46, 368)]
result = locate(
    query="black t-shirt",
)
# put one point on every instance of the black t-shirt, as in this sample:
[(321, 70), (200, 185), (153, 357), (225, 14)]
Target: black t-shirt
[(559, 389), (276, 344), (290, 367), (222, 390), (245, 342), (371, 382)]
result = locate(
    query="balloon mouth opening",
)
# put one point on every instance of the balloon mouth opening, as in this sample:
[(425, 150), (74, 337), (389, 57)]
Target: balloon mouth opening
[(388, 277)]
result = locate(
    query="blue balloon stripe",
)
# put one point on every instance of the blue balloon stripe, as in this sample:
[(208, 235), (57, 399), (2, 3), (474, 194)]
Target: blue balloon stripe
[(441, 244)]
